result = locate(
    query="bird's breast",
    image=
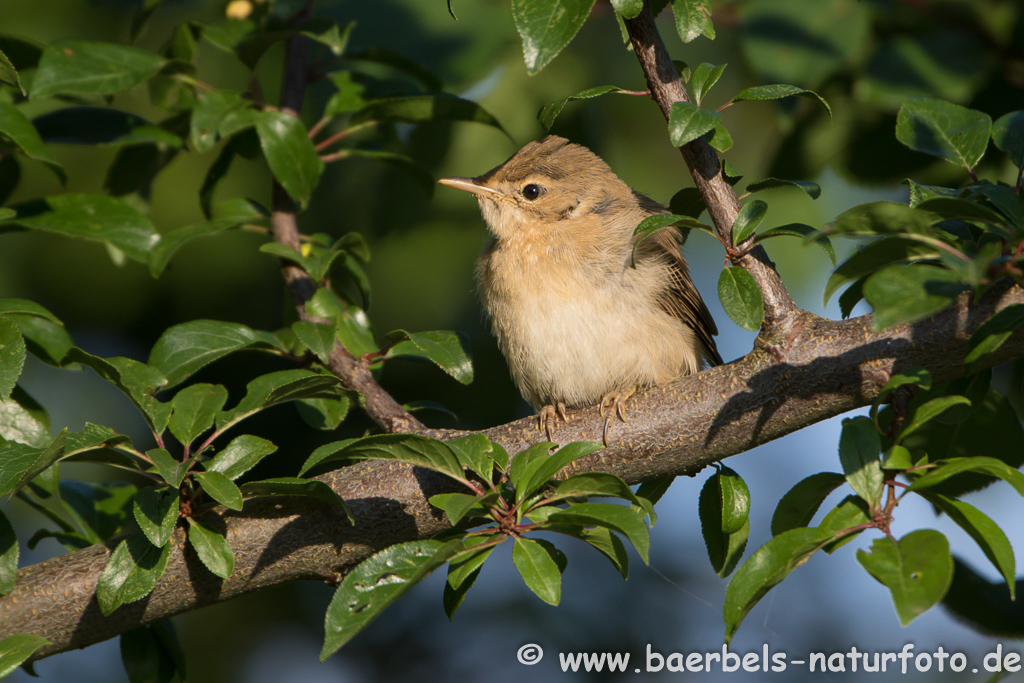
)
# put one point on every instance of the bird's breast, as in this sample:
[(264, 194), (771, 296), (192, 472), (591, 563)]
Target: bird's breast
[(573, 331)]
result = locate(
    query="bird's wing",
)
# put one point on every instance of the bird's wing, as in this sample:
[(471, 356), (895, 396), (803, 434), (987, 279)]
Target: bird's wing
[(680, 298)]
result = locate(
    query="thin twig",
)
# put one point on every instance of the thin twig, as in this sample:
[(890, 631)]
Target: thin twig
[(704, 164), (381, 407)]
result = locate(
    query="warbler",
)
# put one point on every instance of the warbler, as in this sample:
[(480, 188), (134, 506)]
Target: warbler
[(584, 311)]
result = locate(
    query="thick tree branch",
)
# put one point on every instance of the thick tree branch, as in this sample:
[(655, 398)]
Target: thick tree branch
[(382, 408), (824, 368), (705, 167)]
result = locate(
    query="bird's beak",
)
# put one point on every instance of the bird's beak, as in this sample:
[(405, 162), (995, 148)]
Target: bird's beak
[(470, 185)]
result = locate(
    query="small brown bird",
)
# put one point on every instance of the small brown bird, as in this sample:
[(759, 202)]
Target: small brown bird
[(576, 322)]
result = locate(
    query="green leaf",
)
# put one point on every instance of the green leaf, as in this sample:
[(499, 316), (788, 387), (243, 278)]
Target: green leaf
[(208, 115), (46, 340), (899, 294), (609, 545), (156, 511), (687, 122), (769, 565), (875, 256), (348, 98), (409, 448), (749, 217), (183, 349), (525, 461), (22, 463), (8, 556), (478, 453), (704, 77), (628, 8), (538, 471), (82, 68), (323, 413), (944, 469), (377, 582), (741, 297), (721, 140), (884, 218), (138, 381), (461, 577), (290, 153), (992, 333), (93, 217), (917, 570), (424, 108), (24, 420), (463, 566), (778, 91), (317, 337), (546, 27), (326, 454), (458, 505), (9, 75), (851, 512), (897, 458), (170, 470), (597, 484), (550, 111), (294, 486), (693, 18), (930, 411), (985, 532), (1008, 136), (131, 572), (916, 376), (212, 548), (16, 649), (242, 454), (812, 189), (797, 507), (615, 517), (193, 410), (449, 350), (540, 564), (221, 489), (723, 520), (945, 130), (859, 446), (16, 128), (12, 356), (25, 307)]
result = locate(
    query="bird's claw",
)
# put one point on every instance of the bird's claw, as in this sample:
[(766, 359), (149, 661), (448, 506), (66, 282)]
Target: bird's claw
[(549, 415), (616, 403)]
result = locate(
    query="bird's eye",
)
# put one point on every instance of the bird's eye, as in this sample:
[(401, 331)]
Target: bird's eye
[(531, 191)]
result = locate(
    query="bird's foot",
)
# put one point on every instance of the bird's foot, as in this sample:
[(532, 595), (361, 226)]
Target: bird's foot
[(615, 403), (549, 415)]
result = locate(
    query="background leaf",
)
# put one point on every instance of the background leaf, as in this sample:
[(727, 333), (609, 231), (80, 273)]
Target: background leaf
[(943, 129), (741, 297), (546, 27)]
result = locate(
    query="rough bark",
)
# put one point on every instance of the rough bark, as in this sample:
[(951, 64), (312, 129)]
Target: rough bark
[(823, 368)]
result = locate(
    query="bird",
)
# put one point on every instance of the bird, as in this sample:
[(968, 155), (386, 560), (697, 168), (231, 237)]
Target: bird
[(583, 311)]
